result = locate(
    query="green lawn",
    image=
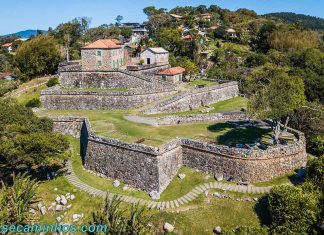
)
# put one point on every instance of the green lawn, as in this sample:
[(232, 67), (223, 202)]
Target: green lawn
[(112, 124), (212, 212), (200, 82), (233, 104), (198, 217), (30, 94)]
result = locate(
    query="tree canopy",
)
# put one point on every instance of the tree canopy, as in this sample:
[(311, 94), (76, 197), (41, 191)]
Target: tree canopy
[(38, 56)]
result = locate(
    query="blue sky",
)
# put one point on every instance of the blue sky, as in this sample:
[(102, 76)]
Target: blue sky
[(19, 15)]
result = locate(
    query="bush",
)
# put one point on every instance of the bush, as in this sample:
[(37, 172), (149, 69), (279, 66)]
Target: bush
[(38, 56), (8, 86), (293, 210), (33, 103), (52, 82), (316, 145), (256, 59)]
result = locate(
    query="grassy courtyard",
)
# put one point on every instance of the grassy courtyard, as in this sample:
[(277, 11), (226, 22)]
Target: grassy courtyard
[(112, 124), (233, 104)]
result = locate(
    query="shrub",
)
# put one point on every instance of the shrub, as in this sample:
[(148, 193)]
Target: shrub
[(316, 145), (33, 103), (293, 210), (52, 82)]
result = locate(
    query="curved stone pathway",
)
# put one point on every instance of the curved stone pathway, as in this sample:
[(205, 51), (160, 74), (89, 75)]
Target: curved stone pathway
[(193, 194), (140, 119)]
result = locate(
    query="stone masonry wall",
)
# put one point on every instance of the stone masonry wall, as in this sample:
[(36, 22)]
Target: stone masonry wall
[(89, 100), (199, 118), (153, 168), (71, 77), (68, 125), (195, 98)]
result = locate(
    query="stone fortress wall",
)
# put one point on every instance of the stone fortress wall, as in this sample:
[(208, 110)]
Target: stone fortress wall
[(153, 168), (193, 98), (58, 99)]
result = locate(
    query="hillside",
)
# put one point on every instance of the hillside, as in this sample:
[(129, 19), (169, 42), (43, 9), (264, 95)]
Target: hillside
[(26, 33), (306, 21)]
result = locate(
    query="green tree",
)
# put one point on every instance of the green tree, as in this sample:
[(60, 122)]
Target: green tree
[(158, 21), (126, 32), (38, 56), (151, 10), (285, 40), (16, 200), (26, 141), (293, 210), (189, 66), (315, 172), (170, 39), (274, 94)]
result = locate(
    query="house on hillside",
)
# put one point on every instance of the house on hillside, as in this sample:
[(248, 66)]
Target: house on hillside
[(8, 47), (8, 76), (155, 56), (103, 55), (176, 17), (205, 16), (174, 74), (231, 33)]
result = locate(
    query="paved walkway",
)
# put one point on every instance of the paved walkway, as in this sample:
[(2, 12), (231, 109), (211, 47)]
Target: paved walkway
[(193, 194), (139, 119)]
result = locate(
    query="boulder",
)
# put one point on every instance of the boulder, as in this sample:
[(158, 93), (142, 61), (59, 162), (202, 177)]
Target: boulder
[(168, 227), (116, 183), (217, 230), (58, 199), (125, 188), (55, 189), (69, 206), (31, 210), (72, 197), (219, 177), (182, 176), (154, 195), (58, 207), (63, 200), (58, 219), (43, 210), (39, 206)]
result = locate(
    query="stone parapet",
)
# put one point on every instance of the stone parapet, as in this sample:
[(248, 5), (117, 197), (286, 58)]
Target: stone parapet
[(153, 168), (196, 97)]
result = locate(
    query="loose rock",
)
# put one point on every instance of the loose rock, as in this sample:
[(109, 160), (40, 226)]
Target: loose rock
[(116, 183), (219, 177), (168, 227), (217, 230), (182, 176), (155, 195)]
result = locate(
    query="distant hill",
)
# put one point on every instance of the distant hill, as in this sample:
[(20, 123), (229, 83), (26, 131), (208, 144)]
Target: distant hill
[(26, 33), (310, 22)]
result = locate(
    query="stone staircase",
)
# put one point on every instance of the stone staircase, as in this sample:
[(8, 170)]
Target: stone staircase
[(172, 204)]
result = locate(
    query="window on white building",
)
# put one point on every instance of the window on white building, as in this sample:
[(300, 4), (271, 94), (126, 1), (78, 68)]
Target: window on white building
[(99, 53), (99, 63)]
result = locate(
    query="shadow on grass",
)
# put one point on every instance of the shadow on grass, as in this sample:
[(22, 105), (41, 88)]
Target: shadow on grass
[(262, 210), (237, 135)]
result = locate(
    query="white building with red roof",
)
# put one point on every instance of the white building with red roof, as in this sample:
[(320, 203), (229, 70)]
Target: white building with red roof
[(8, 47)]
